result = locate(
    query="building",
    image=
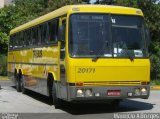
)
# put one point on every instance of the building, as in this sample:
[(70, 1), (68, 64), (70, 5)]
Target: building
[(5, 2)]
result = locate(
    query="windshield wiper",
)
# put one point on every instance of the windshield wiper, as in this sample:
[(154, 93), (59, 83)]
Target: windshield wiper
[(129, 56), (95, 58)]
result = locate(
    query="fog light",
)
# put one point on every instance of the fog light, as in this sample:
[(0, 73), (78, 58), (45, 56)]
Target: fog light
[(129, 94), (97, 94), (143, 91), (137, 92), (80, 93), (88, 93)]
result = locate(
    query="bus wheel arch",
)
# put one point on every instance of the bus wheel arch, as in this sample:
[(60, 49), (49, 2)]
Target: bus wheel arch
[(51, 83)]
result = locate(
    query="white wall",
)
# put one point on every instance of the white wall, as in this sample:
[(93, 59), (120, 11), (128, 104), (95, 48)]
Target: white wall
[(5, 2), (1, 3)]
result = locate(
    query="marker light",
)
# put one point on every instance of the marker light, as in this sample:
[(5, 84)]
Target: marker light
[(88, 93), (75, 9), (138, 12), (137, 92), (97, 94), (143, 91), (80, 93)]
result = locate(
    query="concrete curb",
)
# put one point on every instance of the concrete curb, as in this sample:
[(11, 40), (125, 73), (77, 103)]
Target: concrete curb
[(156, 87)]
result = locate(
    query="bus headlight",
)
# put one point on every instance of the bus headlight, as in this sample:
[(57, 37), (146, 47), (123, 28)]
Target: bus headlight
[(137, 92), (80, 93), (143, 91), (88, 93)]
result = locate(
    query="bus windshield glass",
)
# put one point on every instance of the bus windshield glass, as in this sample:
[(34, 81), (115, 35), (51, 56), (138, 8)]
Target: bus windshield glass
[(102, 35)]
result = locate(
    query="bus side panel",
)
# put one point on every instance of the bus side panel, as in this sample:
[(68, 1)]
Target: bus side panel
[(44, 60)]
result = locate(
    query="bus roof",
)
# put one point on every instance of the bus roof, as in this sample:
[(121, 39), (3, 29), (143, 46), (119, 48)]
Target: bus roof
[(77, 9)]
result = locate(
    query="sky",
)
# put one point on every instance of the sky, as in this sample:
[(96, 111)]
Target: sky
[(158, 1)]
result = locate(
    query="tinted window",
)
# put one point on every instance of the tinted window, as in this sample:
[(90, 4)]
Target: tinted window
[(53, 30), (35, 35), (11, 42), (102, 35), (90, 35)]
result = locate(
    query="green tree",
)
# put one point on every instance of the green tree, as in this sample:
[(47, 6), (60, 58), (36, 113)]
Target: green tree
[(3, 43)]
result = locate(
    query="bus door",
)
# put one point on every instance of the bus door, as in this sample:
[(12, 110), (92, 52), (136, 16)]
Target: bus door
[(63, 86)]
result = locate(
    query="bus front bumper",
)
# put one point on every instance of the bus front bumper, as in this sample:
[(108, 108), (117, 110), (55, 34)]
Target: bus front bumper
[(103, 93)]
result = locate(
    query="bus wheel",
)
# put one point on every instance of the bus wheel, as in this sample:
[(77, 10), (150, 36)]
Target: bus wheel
[(18, 83), (115, 103), (23, 85), (56, 101)]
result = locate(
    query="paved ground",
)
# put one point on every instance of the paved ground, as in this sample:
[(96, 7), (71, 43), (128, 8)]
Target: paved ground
[(39, 107)]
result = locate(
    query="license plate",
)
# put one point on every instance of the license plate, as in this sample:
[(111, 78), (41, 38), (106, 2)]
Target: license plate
[(113, 93)]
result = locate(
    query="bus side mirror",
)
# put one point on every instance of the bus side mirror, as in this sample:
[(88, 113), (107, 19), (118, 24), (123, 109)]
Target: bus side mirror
[(61, 34)]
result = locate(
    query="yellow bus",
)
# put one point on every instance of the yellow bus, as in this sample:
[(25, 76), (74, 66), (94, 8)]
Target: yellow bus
[(81, 53)]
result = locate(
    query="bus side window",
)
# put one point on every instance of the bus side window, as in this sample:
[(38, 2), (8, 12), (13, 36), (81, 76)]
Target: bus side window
[(20, 39), (28, 42), (11, 42), (30, 36), (43, 33), (16, 41), (63, 37), (53, 31), (40, 34), (62, 54), (47, 33), (24, 37), (27, 36), (35, 35)]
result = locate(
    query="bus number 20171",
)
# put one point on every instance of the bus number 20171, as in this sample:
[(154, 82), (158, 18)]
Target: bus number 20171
[(86, 70)]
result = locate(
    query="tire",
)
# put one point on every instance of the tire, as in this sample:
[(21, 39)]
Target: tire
[(56, 101), (22, 85), (18, 83), (115, 104), (50, 85)]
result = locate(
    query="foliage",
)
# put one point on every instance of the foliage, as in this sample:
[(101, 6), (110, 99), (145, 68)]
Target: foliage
[(3, 65), (3, 42), (155, 82)]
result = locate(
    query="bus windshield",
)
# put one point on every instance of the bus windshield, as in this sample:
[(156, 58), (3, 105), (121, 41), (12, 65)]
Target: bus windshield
[(102, 35)]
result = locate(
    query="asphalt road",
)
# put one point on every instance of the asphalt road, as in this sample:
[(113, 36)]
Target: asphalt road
[(33, 105)]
